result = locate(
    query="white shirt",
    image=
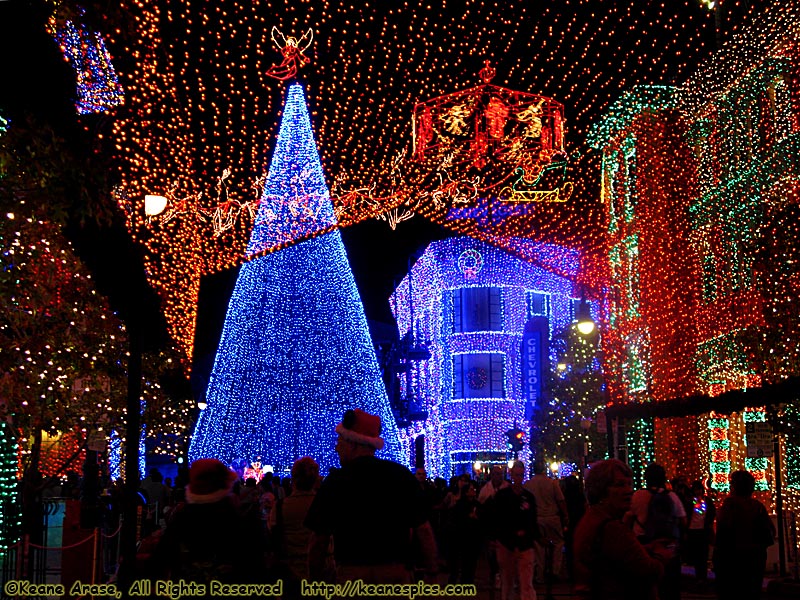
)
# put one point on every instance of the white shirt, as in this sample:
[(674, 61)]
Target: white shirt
[(547, 493), (488, 491)]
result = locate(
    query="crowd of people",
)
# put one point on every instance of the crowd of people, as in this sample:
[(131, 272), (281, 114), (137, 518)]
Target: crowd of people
[(373, 520)]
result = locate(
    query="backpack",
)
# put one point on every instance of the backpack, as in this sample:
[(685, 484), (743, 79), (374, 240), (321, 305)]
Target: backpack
[(661, 522)]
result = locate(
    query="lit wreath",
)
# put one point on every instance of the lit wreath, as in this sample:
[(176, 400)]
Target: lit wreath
[(470, 263), (477, 378)]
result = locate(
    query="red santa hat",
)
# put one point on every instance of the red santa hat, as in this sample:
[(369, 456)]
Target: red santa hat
[(362, 428), (209, 481)]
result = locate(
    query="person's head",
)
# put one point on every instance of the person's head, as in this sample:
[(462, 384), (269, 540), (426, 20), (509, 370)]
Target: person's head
[(698, 489), (496, 475), (359, 435), (421, 475), (655, 476), (156, 475), (742, 484), (517, 472), (250, 482), (209, 481), (305, 472), (539, 468), (610, 483), (470, 492)]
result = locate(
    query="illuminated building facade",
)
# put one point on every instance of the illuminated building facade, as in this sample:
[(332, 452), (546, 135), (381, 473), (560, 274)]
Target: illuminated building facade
[(470, 302), (700, 186)]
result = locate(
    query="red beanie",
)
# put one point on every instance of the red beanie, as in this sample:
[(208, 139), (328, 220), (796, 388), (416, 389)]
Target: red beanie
[(362, 428)]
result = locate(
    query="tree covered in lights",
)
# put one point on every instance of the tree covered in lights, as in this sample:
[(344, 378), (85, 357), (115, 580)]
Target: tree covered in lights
[(63, 352), (575, 395), (295, 351), (60, 346)]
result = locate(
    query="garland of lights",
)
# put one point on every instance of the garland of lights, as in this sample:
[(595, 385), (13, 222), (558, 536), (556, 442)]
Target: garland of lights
[(295, 351), (182, 146), (719, 447), (97, 84), (9, 504)]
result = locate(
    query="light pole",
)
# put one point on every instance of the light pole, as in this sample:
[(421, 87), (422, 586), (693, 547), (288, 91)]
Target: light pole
[(154, 205), (586, 424)]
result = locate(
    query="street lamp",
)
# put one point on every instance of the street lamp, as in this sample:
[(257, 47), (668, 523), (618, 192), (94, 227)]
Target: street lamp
[(154, 205), (586, 324)]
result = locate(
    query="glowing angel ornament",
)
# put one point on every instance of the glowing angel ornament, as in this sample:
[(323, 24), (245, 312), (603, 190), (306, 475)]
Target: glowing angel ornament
[(292, 50)]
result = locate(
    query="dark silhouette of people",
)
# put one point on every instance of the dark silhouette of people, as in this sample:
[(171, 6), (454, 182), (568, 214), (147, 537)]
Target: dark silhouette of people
[(610, 563), (468, 536), (744, 531), (701, 530), (517, 529), (372, 510), (575, 498), (658, 514), (290, 537), (208, 538)]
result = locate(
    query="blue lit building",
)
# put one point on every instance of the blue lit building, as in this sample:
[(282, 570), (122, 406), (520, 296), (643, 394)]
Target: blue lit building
[(470, 302)]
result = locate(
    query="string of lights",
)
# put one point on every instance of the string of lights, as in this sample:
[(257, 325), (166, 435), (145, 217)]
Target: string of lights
[(198, 99)]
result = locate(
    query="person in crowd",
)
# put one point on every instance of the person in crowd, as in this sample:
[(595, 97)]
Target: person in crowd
[(450, 533), (744, 531), (266, 498), (157, 495), (496, 483), (468, 537), (517, 530), (572, 488), (551, 510), (208, 539), (658, 514), (426, 491), (290, 537), (701, 531), (249, 499), (178, 494), (610, 563), (371, 509), (486, 497)]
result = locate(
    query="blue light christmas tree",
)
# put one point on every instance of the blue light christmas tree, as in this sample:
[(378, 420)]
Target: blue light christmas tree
[(295, 351)]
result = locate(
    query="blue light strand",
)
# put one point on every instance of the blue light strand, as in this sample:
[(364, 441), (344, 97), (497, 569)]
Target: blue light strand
[(477, 424), (296, 203), (97, 84), (295, 351), (115, 456)]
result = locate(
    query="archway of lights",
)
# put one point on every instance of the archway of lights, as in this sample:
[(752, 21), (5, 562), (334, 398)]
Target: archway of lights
[(198, 101)]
